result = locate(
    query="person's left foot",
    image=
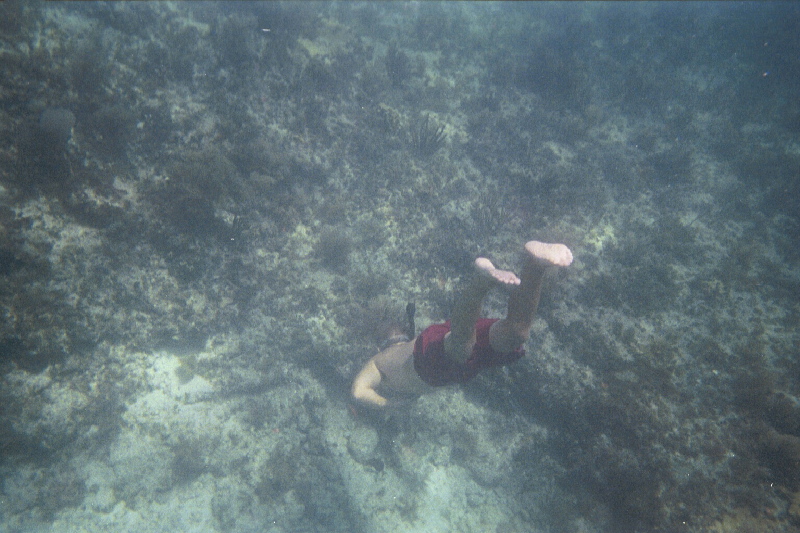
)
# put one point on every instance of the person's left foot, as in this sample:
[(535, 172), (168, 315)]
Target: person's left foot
[(487, 269)]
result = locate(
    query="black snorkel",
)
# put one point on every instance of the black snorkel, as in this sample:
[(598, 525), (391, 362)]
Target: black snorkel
[(402, 333), (411, 328)]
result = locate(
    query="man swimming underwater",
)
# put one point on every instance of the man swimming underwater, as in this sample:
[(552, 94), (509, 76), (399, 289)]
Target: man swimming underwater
[(454, 352)]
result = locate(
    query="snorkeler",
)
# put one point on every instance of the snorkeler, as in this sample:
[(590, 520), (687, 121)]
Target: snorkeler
[(454, 352)]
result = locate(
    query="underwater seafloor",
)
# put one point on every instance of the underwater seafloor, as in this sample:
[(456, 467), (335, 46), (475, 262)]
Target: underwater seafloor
[(209, 212)]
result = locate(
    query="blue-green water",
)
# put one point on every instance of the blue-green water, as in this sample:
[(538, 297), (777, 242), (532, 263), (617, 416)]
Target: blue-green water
[(209, 213)]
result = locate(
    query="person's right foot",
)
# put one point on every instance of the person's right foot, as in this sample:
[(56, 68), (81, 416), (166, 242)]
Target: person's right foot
[(550, 254)]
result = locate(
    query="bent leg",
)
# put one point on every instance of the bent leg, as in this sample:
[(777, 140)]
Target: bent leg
[(459, 342), (510, 333)]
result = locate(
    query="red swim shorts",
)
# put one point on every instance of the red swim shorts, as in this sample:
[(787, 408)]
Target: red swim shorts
[(436, 369)]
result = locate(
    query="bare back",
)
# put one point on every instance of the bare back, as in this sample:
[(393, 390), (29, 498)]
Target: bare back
[(396, 365)]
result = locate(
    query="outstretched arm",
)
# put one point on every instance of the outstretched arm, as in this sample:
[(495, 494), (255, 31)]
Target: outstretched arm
[(365, 384)]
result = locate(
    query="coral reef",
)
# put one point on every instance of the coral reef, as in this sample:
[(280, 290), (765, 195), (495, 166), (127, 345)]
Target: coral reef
[(427, 138), (211, 215)]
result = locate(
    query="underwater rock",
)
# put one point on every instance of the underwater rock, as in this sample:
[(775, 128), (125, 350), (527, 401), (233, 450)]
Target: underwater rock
[(781, 453), (42, 147), (55, 127), (142, 464), (113, 127), (362, 444), (45, 140), (333, 248)]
